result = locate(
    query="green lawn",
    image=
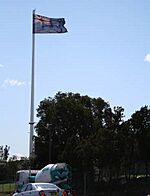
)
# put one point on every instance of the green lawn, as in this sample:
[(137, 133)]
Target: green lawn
[(6, 189)]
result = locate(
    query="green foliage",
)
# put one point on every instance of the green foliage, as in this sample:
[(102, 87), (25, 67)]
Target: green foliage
[(8, 170), (90, 136), (72, 119), (87, 134)]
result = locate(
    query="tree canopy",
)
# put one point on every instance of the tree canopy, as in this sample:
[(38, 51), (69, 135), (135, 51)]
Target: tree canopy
[(66, 122), (87, 133)]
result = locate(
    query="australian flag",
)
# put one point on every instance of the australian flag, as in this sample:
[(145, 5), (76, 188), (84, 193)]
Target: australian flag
[(42, 24)]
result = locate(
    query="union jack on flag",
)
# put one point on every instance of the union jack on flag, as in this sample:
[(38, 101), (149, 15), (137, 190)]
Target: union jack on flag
[(42, 24)]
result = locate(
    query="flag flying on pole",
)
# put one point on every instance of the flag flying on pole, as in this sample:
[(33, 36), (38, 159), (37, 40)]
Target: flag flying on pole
[(42, 24)]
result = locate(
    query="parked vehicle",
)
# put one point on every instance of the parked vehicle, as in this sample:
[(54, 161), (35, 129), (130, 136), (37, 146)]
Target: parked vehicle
[(59, 174), (40, 189), (24, 177)]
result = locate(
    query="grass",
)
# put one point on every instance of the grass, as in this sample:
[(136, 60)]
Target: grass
[(6, 189)]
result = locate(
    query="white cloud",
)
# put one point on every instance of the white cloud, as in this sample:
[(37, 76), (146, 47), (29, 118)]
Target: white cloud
[(1, 65), (11, 83), (147, 58)]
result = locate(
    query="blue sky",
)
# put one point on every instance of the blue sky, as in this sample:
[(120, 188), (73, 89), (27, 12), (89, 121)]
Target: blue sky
[(106, 53)]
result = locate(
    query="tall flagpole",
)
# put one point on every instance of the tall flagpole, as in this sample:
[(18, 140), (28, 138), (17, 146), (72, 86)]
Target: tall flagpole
[(57, 27), (32, 90)]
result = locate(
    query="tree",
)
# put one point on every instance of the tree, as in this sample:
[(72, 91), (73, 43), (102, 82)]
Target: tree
[(6, 150), (141, 126), (73, 119), (129, 149), (108, 144)]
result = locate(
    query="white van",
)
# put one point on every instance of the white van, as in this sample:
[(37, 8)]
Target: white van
[(24, 177)]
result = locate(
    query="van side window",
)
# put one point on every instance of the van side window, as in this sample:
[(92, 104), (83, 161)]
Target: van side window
[(17, 176)]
